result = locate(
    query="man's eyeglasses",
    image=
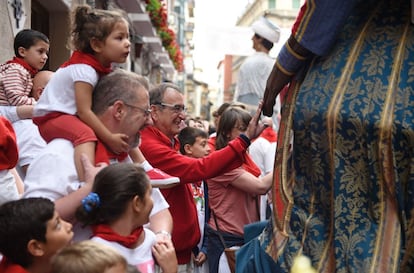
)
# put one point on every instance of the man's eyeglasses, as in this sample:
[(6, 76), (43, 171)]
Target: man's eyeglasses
[(177, 108), (146, 112)]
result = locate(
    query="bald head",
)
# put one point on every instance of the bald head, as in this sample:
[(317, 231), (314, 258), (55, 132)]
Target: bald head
[(39, 82)]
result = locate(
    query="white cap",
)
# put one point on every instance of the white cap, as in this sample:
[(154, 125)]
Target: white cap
[(266, 29)]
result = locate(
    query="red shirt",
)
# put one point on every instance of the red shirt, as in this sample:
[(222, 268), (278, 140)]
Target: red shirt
[(9, 267), (9, 154), (162, 153)]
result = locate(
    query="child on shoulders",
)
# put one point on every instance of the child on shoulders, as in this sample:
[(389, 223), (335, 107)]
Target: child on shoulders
[(99, 38)]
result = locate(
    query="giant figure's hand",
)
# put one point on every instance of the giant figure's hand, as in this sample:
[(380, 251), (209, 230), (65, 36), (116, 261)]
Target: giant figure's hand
[(292, 57), (275, 83)]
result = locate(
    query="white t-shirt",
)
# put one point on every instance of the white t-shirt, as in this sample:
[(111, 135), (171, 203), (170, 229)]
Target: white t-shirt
[(253, 74), (59, 93), (8, 188), (52, 174), (29, 140), (141, 257), (252, 78), (9, 112), (263, 154)]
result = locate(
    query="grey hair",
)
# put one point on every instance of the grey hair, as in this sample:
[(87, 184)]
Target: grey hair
[(117, 85), (157, 92)]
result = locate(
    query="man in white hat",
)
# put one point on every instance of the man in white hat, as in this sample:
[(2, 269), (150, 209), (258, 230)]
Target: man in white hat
[(255, 70)]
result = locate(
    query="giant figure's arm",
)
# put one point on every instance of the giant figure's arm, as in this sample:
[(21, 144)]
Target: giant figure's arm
[(313, 34)]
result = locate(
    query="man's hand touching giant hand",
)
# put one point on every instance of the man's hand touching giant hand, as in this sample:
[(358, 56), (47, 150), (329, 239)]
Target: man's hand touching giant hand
[(256, 127)]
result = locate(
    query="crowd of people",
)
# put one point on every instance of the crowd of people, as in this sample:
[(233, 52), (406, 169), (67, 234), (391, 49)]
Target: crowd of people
[(98, 167), (100, 171)]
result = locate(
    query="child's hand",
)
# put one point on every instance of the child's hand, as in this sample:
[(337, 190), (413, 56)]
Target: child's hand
[(164, 254), (200, 259), (118, 143)]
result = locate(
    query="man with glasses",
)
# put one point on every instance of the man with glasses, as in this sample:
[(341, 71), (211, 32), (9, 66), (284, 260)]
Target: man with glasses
[(160, 147), (121, 102), (146, 112)]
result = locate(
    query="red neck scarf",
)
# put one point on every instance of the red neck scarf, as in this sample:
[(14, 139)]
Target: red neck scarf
[(103, 154), (250, 166), (7, 266), (79, 57), (106, 233), (269, 134), (27, 66)]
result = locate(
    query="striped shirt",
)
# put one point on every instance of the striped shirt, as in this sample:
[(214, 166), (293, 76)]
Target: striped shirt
[(15, 85)]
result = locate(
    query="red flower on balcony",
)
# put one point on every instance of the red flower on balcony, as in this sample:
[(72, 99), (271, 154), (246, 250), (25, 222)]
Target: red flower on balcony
[(157, 12)]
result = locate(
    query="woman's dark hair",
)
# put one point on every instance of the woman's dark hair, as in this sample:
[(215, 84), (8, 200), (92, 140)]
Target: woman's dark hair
[(115, 185), (21, 221), (228, 120)]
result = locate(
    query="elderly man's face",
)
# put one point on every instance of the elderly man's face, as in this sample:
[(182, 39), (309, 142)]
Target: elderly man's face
[(137, 116), (168, 116)]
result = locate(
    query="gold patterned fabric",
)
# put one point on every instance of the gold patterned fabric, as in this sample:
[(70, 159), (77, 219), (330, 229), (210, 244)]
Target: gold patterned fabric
[(345, 187)]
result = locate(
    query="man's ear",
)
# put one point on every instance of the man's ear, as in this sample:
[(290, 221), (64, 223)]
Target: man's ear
[(35, 248), (154, 112), (118, 109)]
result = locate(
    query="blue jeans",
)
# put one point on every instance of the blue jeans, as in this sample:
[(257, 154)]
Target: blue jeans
[(216, 248)]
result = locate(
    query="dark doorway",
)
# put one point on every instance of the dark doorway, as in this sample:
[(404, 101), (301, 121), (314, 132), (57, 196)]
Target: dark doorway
[(40, 21)]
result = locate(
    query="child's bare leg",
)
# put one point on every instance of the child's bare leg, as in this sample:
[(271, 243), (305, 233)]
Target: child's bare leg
[(136, 155), (18, 179), (87, 148)]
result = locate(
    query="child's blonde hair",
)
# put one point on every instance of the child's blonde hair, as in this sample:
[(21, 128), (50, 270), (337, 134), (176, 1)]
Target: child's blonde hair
[(89, 23), (86, 257)]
